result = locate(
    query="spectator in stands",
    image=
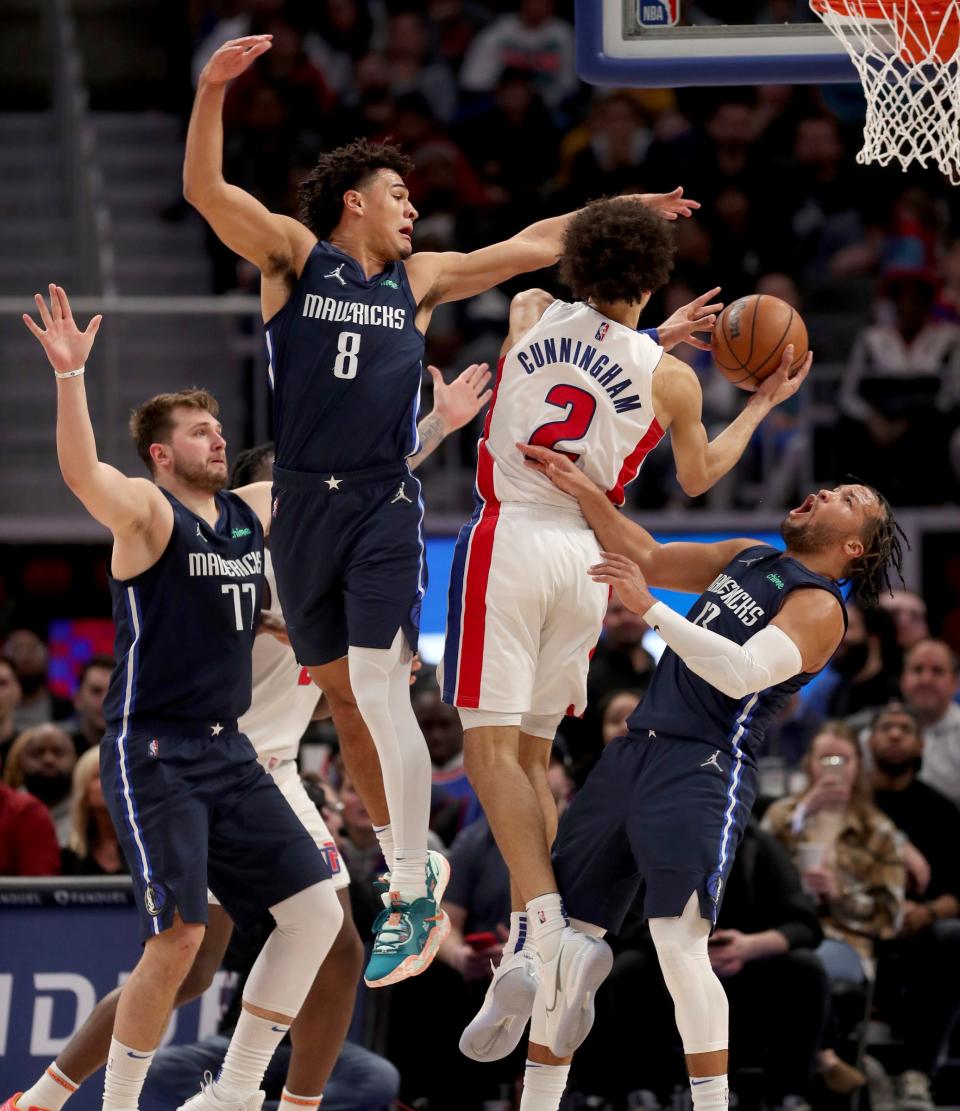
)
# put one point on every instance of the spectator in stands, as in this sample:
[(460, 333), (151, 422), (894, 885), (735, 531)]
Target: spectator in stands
[(533, 39), (901, 393), (847, 853), (455, 24), (93, 848), (28, 654), (28, 841), (613, 159), (615, 707), (763, 951), (10, 695), (346, 31), (454, 804), (929, 682), (913, 993), (864, 671), (413, 70), (89, 724), (909, 612), (41, 761)]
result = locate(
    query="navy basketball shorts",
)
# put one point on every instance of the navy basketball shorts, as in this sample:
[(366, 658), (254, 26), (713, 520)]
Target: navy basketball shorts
[(658, 812), (349, 558), (194, 809)]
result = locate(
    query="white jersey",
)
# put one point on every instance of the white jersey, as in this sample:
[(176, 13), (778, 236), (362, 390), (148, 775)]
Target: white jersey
[(284, 696), (577, 382)]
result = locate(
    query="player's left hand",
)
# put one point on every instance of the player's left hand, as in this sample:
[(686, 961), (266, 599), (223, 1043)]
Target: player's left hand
[(669, 205), (626, 578), (459, 402), (697, 316), (66, 346)]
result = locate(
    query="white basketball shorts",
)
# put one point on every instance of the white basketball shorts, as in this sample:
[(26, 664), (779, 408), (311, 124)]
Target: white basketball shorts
[(523, 616)]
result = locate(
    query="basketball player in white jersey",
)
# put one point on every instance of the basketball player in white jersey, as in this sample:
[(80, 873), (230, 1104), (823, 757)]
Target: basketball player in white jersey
[(523, 615), (283, 702)]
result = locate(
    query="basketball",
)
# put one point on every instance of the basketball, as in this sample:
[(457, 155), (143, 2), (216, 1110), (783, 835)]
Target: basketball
[(750, 336)]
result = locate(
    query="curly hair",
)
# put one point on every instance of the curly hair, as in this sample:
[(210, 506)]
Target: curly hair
[(616, 250), (883, 544), (336, 171), (152, 422), (248, 463)]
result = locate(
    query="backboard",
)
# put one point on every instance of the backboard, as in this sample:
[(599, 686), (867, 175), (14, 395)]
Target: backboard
[(671, 43)]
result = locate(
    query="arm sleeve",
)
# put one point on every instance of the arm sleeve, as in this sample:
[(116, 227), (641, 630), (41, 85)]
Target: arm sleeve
[(769, 657)]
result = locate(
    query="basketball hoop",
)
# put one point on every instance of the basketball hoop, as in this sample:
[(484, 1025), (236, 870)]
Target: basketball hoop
[(907, 53)]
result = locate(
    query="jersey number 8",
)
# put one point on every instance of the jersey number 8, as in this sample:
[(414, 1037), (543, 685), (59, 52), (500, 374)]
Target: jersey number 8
[(348, 355)]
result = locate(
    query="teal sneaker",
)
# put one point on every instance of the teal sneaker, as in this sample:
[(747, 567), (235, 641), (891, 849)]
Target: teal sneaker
[(438, 876), (407, 937)]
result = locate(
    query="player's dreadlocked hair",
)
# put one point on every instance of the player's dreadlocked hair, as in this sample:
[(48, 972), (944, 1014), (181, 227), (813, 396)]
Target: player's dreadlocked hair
[(248, 463), (336, 172), (883, 543), (616, 250)]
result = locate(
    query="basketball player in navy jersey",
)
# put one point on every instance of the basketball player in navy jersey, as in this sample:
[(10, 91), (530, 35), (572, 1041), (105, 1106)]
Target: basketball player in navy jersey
[(346, 305), (667, 804), (191, 805)]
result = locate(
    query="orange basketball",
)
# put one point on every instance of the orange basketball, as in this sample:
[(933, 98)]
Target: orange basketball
[(750, 336)]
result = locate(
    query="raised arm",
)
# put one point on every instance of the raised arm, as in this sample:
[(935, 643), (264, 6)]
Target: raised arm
[(678, 401), (680, 566), (124, 505), (453, 407), (274, 244), (452, 275)]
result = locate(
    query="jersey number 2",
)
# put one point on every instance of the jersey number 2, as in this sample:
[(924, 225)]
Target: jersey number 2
[(580, 407), (348, 355)]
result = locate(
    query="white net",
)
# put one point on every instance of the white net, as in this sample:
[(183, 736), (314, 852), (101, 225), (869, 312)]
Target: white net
[(907, 53)]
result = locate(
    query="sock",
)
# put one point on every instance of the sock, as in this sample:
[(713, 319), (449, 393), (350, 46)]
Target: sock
[(519, 937), (543, 1086), (126, 1072), (385, 837), (409, 875), (51, 1091), (253, 1044), (547, 918), (710, 1093), (290, 1102)]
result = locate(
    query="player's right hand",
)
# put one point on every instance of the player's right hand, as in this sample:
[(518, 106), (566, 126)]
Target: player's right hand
[(234, 57), (561, 470), (66, 346), (784, 382)]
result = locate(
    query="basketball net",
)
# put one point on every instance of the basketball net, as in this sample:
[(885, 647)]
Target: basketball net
[(907, 53)]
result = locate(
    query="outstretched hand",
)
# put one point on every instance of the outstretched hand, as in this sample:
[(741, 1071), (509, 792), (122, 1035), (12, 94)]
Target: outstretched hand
[(66, 346), (459, 402), (234, 57), (784, 382), (670, 205), (697, 316)]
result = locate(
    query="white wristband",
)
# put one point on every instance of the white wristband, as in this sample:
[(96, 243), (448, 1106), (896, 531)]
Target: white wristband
[(70, 373)]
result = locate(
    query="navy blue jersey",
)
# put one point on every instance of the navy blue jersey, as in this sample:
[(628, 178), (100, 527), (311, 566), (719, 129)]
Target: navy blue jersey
[(346, 360), (740, 601), (185, 627)]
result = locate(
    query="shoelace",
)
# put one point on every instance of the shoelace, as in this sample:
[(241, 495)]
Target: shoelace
[(394, 932)]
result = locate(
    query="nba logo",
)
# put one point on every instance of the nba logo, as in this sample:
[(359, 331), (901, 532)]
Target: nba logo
[(602, 332), (658, 13), (153, 748)]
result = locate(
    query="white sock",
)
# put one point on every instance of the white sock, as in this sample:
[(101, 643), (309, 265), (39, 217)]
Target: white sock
[(519, 936), (385, 837), (543, 1086), (409, 875), (253, 1044), (547, 918), (710, 1093), (291, 1102), (126, 1072), (51, 1091)]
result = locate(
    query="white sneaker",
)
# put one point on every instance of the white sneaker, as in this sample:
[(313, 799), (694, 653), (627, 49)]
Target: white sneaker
[(569, 983), (507, 1008), (913, 1091), (209, 1099)]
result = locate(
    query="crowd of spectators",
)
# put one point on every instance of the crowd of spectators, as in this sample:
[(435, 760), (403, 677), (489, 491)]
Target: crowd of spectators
[(844, 902), (484, 96)]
